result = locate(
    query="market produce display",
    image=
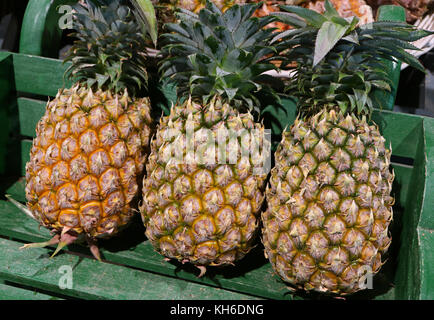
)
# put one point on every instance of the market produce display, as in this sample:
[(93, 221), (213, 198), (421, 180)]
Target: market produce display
[(200, 171)]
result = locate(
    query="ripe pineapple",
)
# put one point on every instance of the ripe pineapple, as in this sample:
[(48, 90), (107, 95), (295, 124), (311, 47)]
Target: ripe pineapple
[(201, 207), (91, 144), (329, 196)]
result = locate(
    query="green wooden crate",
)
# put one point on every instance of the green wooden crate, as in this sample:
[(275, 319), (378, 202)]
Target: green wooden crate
[(132, 270)]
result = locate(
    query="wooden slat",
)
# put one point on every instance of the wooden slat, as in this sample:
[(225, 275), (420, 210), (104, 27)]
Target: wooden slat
[(402, 130), (427, 213), (426, 248), (11, 292), (6, 83), (38, 75), (407, 270), (400, 188), (96, 280), (29, 112), (26, 145)]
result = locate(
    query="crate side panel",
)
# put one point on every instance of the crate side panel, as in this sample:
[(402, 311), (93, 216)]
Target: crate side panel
[(6, 87), (79, 277), (400, 130), (426, 222), (407, 279), (26, 145), (427, 215), (38, 75), (30, 111), (16, 190)]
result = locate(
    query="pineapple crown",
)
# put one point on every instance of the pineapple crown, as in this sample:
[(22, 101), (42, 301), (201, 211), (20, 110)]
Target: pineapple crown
[(109, 52), (337, 62), (219, 54)]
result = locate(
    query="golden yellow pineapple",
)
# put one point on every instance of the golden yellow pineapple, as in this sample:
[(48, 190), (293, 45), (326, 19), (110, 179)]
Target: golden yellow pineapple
[(329, 203), (329, 195), (92, 142), (203, 191)]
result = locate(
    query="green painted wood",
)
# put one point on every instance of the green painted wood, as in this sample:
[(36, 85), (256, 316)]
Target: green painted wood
[(408, 272), (95, 280), (26, 145), (11, 292), (16, 190), (427, 214), (29, 112), (40, 31), (37, 75), (6, 83), (400, 130), (425, 229), (386, 100)]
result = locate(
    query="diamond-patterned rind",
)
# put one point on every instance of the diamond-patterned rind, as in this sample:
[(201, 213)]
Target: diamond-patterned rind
[(206, 214), (85, 162), (329, 204)]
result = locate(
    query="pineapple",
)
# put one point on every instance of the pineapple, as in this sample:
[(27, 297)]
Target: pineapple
[(92, 142), (329, 195), (201, 200)]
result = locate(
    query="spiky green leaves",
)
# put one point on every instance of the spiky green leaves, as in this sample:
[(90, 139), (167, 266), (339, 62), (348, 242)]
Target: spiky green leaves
[(214, 53), (110, 51), (339, 63), (145, 14)]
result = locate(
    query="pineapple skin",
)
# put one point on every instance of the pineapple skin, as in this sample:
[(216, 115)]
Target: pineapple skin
[(329, 204), (86, 161), (205, 214)]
